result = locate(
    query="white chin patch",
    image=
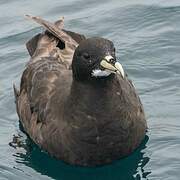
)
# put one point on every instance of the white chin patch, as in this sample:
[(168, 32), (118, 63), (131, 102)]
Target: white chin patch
[(100, 73)]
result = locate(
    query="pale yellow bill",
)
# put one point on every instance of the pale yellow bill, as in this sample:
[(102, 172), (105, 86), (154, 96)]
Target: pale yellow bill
[(116, 68)]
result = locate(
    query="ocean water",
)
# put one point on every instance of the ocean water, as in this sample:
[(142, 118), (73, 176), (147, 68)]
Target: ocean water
[(147, 39)]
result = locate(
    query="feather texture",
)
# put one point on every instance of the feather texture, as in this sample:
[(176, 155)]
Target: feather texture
[(80, 123)]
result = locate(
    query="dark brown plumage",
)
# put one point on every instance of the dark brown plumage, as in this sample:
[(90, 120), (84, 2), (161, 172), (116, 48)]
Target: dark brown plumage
[(73, 116)]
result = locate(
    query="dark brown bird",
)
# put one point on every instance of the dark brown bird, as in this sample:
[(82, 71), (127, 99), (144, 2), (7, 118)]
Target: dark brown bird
[(75, 101)]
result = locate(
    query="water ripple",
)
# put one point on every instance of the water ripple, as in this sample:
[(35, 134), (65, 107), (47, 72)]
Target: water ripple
[(147, 39)]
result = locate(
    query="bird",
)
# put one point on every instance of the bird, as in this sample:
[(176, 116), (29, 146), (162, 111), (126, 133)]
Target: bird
[(75, 100)]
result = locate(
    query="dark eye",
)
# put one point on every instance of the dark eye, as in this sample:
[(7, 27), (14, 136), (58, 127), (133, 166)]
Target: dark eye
[(86, 55), (114, 49)]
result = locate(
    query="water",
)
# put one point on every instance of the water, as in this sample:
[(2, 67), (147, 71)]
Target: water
[(147, 39)]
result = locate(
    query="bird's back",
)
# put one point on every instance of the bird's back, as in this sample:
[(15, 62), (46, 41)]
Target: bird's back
[(46, 82)]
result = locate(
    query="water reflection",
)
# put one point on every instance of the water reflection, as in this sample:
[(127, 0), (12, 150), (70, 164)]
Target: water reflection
[(130, 168)]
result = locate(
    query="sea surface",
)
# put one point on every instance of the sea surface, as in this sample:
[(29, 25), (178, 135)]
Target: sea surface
[(147, 39)]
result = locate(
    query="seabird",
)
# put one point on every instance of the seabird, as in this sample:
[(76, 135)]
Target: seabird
[(75, 100)]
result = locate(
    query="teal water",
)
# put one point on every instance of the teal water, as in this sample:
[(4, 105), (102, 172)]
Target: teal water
[(147, 39)]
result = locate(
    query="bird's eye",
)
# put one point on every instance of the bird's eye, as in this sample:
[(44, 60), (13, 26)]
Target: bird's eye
[(114, 49), (86, 55)]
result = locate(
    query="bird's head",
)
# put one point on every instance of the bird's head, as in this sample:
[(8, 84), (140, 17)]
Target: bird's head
[(95, 58)]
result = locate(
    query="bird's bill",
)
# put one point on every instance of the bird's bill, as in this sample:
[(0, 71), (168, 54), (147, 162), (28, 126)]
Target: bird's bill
[(112, 67)]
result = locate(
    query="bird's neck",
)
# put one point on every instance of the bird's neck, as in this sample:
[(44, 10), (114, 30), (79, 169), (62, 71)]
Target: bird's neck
[(92, 96)]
